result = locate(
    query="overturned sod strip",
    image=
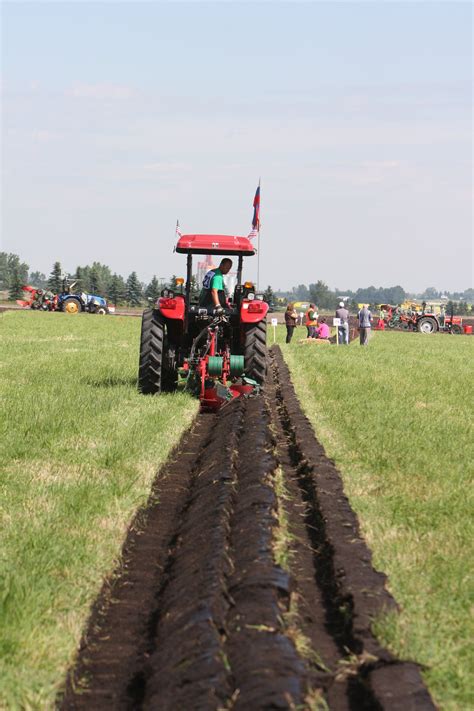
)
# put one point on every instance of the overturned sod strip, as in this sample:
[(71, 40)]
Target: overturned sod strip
[(196, 616)]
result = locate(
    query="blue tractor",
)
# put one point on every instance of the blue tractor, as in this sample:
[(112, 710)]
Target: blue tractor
[(73, 303)]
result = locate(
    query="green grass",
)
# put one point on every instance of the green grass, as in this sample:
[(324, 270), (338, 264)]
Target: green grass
[(397, 418), (80, 448)]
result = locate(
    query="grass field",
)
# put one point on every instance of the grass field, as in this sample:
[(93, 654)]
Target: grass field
[(80, 448), (397, 418)]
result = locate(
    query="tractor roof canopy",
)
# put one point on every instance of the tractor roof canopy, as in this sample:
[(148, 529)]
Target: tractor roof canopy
[(215, 244)]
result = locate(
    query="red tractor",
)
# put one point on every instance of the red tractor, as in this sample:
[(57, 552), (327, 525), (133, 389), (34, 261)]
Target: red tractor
[(427, 322), (221, 355)]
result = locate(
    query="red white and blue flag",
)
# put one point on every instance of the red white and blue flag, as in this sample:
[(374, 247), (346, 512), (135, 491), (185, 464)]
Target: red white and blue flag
[(256, 214)]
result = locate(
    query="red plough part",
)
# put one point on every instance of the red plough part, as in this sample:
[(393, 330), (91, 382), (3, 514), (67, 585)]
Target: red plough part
[(216, 376), (26, 303)]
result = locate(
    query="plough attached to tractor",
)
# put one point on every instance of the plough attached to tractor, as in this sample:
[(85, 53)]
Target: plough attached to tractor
[(222, 356)]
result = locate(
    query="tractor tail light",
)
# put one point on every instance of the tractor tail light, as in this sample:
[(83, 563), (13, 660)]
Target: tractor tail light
[(168, 303), (255, 307)]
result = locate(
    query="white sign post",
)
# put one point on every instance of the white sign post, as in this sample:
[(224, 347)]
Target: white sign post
[(274, 324), (336, 322)]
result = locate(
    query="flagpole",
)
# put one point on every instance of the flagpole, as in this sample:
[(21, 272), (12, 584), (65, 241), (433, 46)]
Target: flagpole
[(258, 242), (258, 259)]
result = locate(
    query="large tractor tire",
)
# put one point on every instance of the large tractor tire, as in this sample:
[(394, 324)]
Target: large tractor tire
[(154, 373), (427, 325), (255, 351), (72, 306)]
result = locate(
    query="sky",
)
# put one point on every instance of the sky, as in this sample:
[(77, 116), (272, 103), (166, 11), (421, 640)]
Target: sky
[(118, 118)]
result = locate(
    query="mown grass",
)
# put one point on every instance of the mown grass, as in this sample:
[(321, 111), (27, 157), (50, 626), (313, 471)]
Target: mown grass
[(80, 448), (397, 418)]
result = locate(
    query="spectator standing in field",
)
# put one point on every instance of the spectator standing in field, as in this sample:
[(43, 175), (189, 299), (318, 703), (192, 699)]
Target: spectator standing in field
[(291, 317), (310, 321), (343, 330), (365, 322), (323, 331)]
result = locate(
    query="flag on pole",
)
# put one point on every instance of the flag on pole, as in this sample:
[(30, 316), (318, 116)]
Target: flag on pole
[(178, 233), (256, 214)]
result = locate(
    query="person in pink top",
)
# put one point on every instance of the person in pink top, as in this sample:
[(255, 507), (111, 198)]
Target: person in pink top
[(323, 330)]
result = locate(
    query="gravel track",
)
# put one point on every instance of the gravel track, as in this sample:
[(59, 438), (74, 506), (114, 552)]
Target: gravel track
[(196, 615)]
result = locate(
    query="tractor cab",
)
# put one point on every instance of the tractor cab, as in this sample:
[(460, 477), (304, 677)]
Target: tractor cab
[(220, 246), (217, 352)]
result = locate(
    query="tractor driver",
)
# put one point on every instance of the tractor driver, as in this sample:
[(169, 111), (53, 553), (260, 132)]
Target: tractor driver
[(212, 295)]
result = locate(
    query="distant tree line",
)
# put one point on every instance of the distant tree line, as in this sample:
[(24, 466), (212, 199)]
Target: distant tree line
[(320, 294), (99, 279), (96, 278)]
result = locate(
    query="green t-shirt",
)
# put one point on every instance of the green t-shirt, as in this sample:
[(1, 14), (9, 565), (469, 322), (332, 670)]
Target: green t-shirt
[(214, 279), (217, 281)]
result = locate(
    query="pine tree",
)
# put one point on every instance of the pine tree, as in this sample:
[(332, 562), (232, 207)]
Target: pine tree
[(133, 290), (116, 290), (82, 278), (55, 281), (100, 278), (153, 289), (95, 281), (16, 282), (268, 295), (38, 279)]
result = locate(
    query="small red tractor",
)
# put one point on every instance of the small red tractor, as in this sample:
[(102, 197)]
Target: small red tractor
[(222, 356), (430, 323)]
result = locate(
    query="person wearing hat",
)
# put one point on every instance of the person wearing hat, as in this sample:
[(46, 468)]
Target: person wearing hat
[(343, 330)]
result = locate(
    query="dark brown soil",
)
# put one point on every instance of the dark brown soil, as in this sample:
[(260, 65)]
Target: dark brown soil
[(195, 616)]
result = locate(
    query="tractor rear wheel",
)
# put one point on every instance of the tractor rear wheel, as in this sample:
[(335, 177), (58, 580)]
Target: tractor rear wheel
[(71, 306), (255, 351), (456, 328), (155, 373), (427, 325)]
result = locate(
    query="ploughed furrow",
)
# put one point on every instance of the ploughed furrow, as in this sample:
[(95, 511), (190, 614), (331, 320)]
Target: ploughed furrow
[(265, 667), (187, 667), (106, 673), (337, 607), (200, 616), (205, 629)]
